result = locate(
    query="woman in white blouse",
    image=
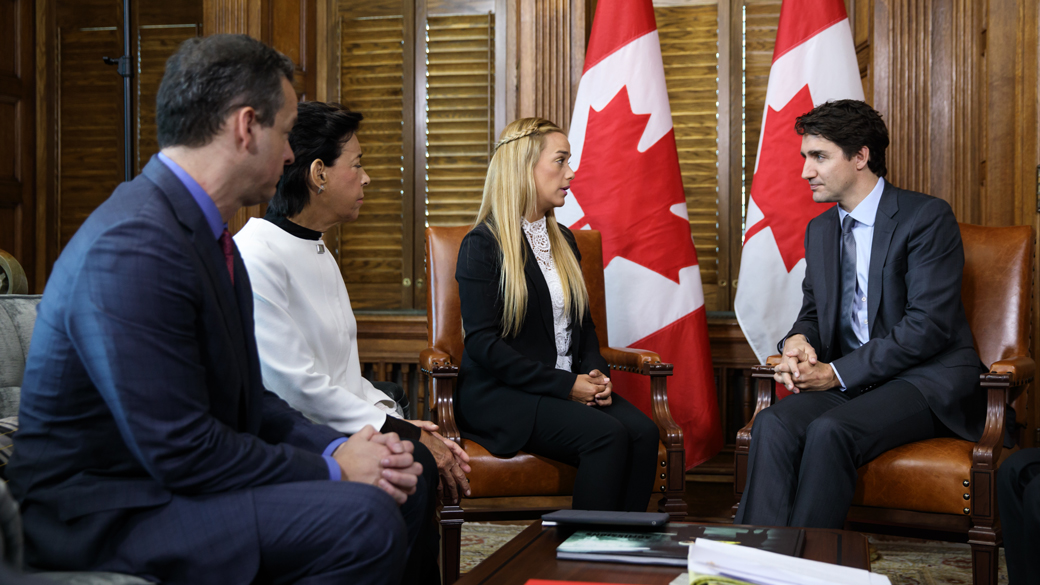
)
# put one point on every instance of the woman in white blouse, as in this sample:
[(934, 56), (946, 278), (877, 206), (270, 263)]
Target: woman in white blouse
[(306, 333), (532, 377)]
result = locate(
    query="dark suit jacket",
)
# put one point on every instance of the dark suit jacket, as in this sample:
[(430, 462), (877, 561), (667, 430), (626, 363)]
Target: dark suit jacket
[(501, 379), (143, 382), (918, 329)]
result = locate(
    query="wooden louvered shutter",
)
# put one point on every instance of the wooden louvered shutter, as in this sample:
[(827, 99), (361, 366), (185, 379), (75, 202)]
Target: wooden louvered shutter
[(460, 113), (689, 47), (760, 23), (370, 250), (155, 44)]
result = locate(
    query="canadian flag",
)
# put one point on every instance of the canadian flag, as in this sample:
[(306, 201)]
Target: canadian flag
[(628, 186), (814, 61)]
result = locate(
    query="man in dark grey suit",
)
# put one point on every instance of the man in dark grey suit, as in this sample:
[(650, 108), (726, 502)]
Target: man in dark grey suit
[(881, 353)]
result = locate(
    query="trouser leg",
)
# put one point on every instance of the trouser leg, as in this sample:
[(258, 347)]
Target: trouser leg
[(418, 513), (594, 441), (839, 441), (777, 441), (1018, 493), (643, 440), (329, 532)]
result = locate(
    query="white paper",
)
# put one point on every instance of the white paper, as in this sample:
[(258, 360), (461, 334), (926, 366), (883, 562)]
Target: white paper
[(768, 568)]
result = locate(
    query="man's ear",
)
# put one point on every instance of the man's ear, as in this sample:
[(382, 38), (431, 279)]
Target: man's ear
[(862, 158), (244, 126)]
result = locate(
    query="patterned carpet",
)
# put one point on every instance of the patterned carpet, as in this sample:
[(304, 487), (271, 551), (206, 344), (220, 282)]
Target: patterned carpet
[(905, 562)]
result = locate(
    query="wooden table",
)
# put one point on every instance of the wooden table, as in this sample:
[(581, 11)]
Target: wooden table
[(532, 555)]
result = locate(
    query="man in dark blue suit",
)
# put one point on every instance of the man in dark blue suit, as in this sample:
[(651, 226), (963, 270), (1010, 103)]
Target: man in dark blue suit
[(881, 353), (148, 444)]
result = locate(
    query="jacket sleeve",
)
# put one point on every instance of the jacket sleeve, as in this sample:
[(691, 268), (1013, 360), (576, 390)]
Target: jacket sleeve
[(477, 274), (136, 321), (807, 322), (934, 270)]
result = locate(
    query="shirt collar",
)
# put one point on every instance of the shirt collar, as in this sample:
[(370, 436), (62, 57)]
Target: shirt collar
[(293, 229), (866, 211), (204, 201)]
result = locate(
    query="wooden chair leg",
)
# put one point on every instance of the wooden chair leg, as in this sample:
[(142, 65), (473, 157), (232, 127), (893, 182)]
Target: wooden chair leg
[(451, 519), (985, 563)]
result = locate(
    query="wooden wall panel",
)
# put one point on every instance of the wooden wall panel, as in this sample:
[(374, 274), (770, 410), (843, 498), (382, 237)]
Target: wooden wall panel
[(17, 139), (155, 44), (287, 25), (956, 80), (90, 124), (551, 48)]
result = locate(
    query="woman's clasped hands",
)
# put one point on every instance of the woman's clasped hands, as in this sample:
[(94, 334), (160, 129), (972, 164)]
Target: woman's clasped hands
[(593, 388)]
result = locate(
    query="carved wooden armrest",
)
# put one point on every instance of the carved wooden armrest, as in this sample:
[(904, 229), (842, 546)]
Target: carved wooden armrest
[(434, 361), (1014, 372), (437, 365), (626, 359), (763, 376)]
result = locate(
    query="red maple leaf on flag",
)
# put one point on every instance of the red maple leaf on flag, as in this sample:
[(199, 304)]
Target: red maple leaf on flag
[(627, 194), (778, 188)]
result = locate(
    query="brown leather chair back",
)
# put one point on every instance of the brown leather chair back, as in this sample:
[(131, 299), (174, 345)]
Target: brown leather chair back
[(443, 317), (997, 289)]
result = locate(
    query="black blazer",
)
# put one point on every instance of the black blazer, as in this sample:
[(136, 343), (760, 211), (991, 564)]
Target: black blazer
[(502, 379), (143, 382), (918, 329)]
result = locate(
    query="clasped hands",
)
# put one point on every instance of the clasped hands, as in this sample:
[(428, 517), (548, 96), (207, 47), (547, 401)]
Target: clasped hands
[(799, 370), (592, 388)]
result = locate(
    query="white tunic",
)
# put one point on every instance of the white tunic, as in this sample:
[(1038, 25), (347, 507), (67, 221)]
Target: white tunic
[(538, 236), (305, 330)]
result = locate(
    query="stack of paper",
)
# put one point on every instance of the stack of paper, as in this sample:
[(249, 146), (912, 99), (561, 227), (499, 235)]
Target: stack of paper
[(766, 568)]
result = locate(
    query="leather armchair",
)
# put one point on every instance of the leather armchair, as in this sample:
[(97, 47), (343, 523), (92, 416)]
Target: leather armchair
[(947, 484), (526, 475)]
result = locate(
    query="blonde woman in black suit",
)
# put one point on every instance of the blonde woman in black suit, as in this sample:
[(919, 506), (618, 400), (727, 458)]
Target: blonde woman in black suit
[(532, 377)]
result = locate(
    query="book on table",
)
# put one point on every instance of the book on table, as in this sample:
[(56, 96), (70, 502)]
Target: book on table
[(671, 546)]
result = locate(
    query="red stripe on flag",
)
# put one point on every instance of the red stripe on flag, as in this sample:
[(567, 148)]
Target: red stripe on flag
[(800, 20), (692, 398), (617, 23)]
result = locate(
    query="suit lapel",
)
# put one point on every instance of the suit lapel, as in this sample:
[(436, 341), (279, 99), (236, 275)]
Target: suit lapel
[(208, 251), (828, 296), (884, 226), (537, 290)]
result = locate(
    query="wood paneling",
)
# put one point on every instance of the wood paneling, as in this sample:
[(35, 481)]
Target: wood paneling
[(956, 81), (17, 133), (551, 48), (90, 124)]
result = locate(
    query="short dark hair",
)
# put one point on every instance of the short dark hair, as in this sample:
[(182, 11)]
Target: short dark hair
[(320, 132), (851, 124), (208, 77)]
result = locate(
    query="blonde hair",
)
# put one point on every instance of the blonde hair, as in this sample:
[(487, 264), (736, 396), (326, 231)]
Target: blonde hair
[(509, 195)]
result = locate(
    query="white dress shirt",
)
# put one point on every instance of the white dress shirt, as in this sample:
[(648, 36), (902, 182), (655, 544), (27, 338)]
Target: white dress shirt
[(863, 232), (305, 330)]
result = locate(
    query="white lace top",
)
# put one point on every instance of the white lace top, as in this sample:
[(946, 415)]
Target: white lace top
[(538, 236)]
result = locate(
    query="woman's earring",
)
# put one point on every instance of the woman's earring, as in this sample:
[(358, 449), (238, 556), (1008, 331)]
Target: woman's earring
[(321, 188)]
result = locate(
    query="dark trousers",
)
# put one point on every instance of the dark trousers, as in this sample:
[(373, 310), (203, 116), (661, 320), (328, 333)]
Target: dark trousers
[(806, 448), (312, 532), (613, 447), (423, 533), (1018, 493)]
